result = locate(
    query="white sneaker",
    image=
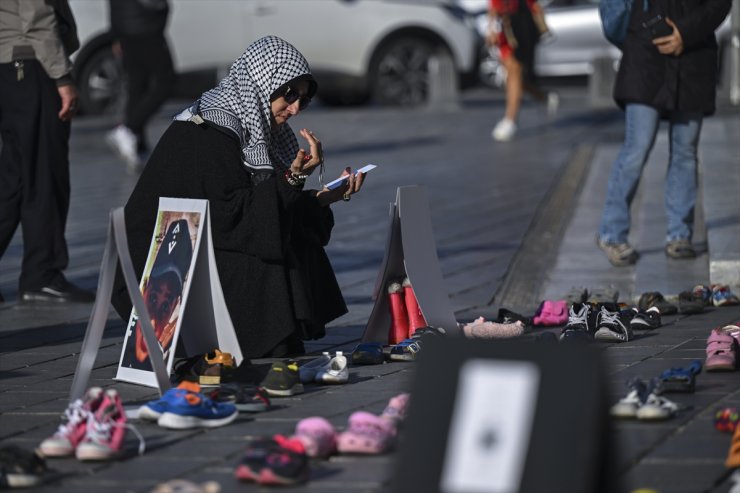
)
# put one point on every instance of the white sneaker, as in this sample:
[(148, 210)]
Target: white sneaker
[(504, 130), (124, 143), (553, 103), (337, 371)]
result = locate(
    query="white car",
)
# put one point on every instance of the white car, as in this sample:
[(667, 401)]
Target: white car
[(577, 40), (358, 49)]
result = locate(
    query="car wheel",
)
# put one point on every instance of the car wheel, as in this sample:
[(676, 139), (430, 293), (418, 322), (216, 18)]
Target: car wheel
[(400, 74), (491, 71), (100, 83)]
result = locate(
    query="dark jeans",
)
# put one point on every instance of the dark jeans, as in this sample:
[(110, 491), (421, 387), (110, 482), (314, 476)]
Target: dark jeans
[(151, 77), (34, 172)]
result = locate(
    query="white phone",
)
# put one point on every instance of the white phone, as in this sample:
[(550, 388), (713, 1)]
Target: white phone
[(342, 180)]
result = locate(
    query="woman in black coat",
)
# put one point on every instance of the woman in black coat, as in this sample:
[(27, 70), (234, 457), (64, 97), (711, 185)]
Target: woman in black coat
[(668, 71), (235, 148)]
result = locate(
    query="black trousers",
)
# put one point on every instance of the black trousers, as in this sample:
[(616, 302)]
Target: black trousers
[(151, 77), (34, 172)]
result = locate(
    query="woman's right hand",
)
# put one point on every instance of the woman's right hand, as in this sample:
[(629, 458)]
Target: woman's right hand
[(306, 161)]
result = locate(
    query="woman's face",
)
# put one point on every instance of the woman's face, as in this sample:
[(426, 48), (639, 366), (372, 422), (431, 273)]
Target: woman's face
[(291, 103)]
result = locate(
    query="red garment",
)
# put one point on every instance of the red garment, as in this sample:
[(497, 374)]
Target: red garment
[(509, 6)]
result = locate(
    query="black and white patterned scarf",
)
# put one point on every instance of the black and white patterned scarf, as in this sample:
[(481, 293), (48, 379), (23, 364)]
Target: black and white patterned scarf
[(241, 102)]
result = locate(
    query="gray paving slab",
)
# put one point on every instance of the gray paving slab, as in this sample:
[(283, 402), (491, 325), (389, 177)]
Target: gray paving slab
[(484, 199)]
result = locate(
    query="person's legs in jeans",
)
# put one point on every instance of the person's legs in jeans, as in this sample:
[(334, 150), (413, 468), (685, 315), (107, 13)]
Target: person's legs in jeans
[(641, 126), (681, 178)]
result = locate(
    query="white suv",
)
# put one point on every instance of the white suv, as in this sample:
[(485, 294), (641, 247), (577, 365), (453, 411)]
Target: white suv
[(358, 49)]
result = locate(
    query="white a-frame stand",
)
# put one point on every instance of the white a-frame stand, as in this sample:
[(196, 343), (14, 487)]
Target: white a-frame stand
[(204, 322), (411, 251)]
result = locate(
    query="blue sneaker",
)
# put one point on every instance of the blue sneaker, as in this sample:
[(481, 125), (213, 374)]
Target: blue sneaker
[(187, 409), (152, 410)]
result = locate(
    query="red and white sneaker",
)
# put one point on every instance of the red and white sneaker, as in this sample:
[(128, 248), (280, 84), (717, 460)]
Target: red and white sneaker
[(106, 429), (70, 433)]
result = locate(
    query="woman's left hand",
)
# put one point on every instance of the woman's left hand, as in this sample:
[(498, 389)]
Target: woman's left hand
[(345, 192), (671, 44)]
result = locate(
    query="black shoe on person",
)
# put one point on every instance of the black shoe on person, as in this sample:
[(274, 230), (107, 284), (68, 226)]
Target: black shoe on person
[(58, 291)]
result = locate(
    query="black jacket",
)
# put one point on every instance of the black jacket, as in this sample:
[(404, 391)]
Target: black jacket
[(268, 239), (669, 83), (138, 17)]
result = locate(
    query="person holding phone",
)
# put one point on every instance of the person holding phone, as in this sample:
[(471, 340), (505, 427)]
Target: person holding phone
[(235, 148), (668, 72)]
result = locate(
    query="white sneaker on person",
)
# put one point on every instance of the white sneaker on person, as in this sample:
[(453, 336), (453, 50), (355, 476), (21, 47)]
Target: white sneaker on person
[(504, 130), (124, 143), (553, 103)]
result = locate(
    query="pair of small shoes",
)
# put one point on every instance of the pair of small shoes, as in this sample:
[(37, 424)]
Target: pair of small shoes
[(276, 461), (680, 379), (368, 353), (318, 435), (481, 328), (366, 434), (721, 351), (184, 407), (726, 419), (326, 369), (506, 316), (723, 296), (644, 402), (183, 486), (551, 313), (283, 379), (94, 428), (20, 468), (690, 302), (206, 369), (646, 320), (247, 398), (655, 298)]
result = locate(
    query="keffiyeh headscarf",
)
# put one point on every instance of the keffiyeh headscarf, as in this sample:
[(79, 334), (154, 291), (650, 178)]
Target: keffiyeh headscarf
[(241, 102)]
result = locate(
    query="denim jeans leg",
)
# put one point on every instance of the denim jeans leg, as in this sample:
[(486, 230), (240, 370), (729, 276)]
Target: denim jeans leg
[(681, 178), (640, 129)]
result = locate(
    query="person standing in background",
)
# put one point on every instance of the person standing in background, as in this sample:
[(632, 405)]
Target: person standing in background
[(139, 27), (515, 28), (37, 100), (668, 72)]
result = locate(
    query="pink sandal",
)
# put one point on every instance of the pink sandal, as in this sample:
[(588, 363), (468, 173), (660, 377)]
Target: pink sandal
[(397, 408), (720, 351), (366, 434), (318, 436)]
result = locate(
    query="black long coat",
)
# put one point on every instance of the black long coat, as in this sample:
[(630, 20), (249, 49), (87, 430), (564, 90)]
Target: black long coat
[(268, 239), (669, 83)]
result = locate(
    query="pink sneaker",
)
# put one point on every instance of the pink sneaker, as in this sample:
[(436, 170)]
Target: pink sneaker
[(106, 429), (72, 431), (366, 434), (397, 408), (720, 351), (551, 313), (318, 436)]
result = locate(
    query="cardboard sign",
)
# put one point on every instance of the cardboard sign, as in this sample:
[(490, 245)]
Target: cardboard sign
[(181, 289)]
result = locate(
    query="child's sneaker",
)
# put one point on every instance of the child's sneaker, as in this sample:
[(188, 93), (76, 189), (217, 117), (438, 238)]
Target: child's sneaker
[(152, 410), (274, 461), (318, 436), (611, 328), (581, 323), (307, 371), (722, 296), (195, 410), (72, 431), (703, 292), (20, 468), (336, 372), (628, 405), (646, 320), (283, 380), (106, 429)]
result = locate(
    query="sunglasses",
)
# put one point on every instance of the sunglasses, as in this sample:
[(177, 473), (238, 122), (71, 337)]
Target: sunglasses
[(292, 95)]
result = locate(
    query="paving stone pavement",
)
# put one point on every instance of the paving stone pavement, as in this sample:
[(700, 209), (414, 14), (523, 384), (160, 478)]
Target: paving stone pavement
[(485, 200)]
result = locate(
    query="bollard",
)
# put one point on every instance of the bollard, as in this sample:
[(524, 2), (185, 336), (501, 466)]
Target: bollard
[(443, 91)]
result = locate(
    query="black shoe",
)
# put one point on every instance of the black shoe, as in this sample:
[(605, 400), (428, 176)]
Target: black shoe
[(60, 291), (20, 468)]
